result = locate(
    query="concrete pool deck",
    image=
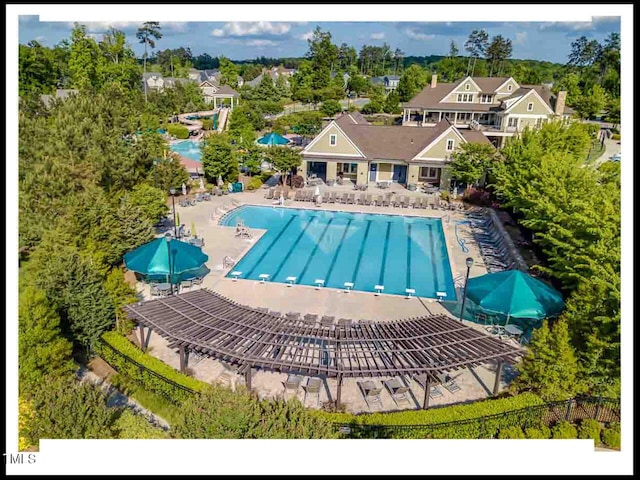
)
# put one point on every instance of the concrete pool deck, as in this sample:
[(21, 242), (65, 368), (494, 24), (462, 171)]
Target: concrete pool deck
[(221, 242)]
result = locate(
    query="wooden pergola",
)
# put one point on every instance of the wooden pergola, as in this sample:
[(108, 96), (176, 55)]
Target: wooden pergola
[(209, 324)]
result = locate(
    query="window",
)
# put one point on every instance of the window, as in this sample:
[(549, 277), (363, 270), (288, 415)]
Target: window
[(465, 97), (450, 144), (509, 88), (513, 122), (467, 86), (348, 168), (486, 98), (539, 122), (333, 139), (428, 172), (530, 107)]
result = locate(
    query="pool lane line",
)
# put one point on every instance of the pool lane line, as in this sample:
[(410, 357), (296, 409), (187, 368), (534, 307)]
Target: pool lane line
[(315, 249), (384, 254), (361, 252), (335, 257), (408, 256), (286, 256), (273, 242)]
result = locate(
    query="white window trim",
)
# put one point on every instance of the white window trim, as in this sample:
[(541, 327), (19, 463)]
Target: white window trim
[(530, 107), (452, 142), (428, 176), (333, 139)]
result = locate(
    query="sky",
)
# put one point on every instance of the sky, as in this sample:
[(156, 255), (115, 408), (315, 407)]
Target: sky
[(237, 40)]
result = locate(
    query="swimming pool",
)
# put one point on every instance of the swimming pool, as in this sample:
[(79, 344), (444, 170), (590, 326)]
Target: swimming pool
[(188, 148), (337, 247)]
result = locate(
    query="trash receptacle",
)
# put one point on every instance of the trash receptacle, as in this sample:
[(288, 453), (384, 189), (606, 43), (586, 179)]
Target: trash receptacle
[(237, 187)]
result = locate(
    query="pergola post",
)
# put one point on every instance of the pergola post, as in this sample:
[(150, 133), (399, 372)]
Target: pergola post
[(183, 359), (427, 389), (496, 386), (247, 377), (142, 339), (339, 393), (214, 102)]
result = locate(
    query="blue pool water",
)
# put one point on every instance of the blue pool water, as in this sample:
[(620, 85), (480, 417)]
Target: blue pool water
[(188, 148), (337, 247)]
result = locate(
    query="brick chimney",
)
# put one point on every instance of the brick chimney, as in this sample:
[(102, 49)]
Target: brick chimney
[(434, 80), (560, 101)]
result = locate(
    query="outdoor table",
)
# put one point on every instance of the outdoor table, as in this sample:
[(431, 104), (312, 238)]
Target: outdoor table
[(163, 287), (513, 331), (197, 242)]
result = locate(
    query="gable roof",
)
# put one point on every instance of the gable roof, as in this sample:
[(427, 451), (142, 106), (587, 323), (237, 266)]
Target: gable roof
[(473, 136), (522, 92), (489, 84)]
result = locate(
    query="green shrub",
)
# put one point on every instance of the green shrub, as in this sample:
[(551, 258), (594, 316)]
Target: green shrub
[(590, 429), (207, 123), (178, 131), (266, 175), (371, 107), (145, 379), (511, 432), (543, 432), (254, 184), (444, 195), (564, 430), (485, 428), (129, 425), (611, 436), (615, 136)]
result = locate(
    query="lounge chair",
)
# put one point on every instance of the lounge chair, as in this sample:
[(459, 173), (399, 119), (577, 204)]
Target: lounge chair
[(449, 383), (386, 200), (351, 199), (311, 319), (275, 313), (292, 384), (344, 322), (399, 392), (312, 390), (262, 309), (421, 380), (344, 198), (378, 200), (294, 316), (403, 202), (371, 394), (297, 196), (332, 197), (368, 200), (327, 321)]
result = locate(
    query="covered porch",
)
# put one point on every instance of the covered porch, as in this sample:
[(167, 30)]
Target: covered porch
[(424, 118)]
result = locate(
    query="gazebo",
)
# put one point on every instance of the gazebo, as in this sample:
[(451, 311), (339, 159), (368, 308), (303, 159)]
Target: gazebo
[(209, 324)]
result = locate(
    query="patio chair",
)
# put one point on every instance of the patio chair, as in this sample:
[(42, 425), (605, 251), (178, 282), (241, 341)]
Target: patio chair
[(449, 383), (371, 394), (292, 385), (196, 281), (154, 291), (399, 392), (186, 284), (269, 195), (312, 390), (327, 321), (434, 391)]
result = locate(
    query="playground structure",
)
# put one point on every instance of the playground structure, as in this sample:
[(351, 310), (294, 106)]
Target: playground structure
[(193, 120)]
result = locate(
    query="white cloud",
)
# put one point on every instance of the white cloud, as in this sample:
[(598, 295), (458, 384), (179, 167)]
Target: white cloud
[(521, 38), (417, 35), (260, 42), (377, 36), (104, 26), (306, 36), (243, 29), (40, 38), (175, 26)]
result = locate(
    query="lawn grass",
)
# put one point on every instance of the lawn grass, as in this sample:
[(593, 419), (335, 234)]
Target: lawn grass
[(156, 404), (597, 149)]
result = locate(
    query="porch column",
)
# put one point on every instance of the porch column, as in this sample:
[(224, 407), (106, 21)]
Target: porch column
[(496, 385), (427, 389), (214, 103), (424, 116), (455, 118), (439, 116), (247, 377)]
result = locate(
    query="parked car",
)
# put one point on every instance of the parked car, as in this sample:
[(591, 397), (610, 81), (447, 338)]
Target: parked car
[(615, 157)]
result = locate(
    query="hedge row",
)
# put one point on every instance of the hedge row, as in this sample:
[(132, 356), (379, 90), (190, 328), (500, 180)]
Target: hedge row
[(178, 131), (142, 376), (254, 183), (587, 429)]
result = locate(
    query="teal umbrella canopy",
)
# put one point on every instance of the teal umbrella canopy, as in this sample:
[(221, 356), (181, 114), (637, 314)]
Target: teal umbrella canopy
[(273, 139), (516, 294), (152, 259)]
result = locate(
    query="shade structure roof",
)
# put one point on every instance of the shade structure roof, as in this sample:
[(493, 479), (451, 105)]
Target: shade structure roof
[(515, 293), (273, 138), (153, 258), (210, 324)]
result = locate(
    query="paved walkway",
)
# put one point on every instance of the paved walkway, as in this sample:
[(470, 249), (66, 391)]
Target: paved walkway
[(220, 242), (610, 147)]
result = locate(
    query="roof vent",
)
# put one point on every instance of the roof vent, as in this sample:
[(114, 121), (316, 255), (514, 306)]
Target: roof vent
[(412, 141)]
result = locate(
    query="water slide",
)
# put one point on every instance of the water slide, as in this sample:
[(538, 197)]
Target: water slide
[(195, 125)]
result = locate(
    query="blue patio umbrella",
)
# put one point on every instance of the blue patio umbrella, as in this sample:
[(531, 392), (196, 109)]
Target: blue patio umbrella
[(153, 260), (273, 138), (515, 294)]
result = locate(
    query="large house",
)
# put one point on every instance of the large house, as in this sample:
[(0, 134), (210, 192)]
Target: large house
[(496, 106), (389, 82), (274, 73), (214, 93), (155, 82), (352, 148)]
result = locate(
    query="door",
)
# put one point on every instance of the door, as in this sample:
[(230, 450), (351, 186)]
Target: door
[(373, 172), (400, 173)]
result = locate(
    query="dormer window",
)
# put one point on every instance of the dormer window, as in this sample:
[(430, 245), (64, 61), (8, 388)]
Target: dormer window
[(509, 88), (530, 107), (333, 139), (465, 97), (450, 144), (484, 98)]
